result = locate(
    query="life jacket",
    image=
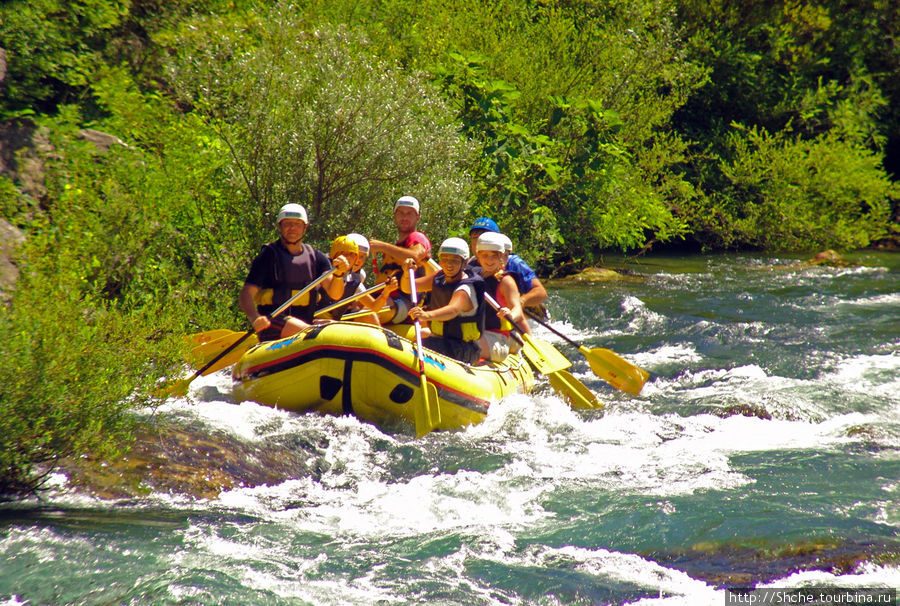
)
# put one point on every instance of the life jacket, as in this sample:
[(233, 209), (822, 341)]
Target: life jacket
[(463, 328), (472, 265), (392, 268), (352, 281), (491, 321), (292, 274)]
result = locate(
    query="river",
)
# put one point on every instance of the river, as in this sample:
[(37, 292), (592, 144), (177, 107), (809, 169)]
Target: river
[(764, 451)]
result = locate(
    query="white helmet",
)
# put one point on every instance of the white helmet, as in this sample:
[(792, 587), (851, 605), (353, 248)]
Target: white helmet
[(507, 243), (490, 241), (292, 211), (455, 246), (361, 242), (407, 201)]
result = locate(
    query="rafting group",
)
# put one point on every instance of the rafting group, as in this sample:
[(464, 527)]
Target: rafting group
[(439, 364), (476, 296)]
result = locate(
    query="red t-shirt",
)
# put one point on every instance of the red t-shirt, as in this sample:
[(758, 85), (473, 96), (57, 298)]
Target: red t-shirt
[(416, 237)]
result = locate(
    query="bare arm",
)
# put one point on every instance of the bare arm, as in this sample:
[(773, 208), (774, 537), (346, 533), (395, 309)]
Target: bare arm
[(416, 251), (536, 296), (514, 303), (423, 284), (248, 306), (459, 303), (333, 284), (376, 303)]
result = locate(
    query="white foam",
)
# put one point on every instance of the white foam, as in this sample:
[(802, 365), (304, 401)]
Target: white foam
[(873, 375), (866, 575), (681, 353)]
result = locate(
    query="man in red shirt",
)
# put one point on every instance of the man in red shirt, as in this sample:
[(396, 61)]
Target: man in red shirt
[(411, 244)]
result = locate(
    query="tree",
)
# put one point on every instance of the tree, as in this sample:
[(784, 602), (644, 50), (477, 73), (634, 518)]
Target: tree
[(309, 116)]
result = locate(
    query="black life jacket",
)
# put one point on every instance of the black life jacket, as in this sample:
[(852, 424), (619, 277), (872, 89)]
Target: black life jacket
[(352, 281), (491, 321), (463, 328), (292, 274), (394, 269)]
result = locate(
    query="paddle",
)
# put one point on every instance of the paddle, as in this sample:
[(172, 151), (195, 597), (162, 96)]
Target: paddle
[(205, 352), (575, 391), (200, 338), (561, 380), (180, 387), (606, 364), (428, 412), (365, 312), (542, 355), (350, 299)]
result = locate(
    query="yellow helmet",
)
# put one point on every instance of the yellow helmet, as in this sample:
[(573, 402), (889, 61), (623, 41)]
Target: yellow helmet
[(343, 245)]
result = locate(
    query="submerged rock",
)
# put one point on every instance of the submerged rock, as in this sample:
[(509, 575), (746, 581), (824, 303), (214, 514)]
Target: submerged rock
[(746, 565), (830, 258), (173, 458), (597, 274)]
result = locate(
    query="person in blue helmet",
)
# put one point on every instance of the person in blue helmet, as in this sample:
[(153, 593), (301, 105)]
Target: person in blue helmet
[(532, 291)]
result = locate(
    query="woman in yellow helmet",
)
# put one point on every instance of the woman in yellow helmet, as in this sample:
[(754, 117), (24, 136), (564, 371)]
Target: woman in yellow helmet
[(355, 249)]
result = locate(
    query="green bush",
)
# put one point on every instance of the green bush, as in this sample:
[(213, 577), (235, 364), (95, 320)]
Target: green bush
[(113, 274), (53, 48), (310, 116), (795, 194), (73, 368), (563, 188)]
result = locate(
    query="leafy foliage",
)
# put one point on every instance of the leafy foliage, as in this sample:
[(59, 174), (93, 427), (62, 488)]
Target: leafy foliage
[(306, 119), (561, 187), (53, 47)]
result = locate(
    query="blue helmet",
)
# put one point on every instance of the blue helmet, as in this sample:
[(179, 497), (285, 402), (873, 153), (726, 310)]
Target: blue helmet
[(484, 224)]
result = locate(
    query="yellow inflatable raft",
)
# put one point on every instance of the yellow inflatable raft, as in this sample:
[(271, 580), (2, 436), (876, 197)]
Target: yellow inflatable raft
[(349, 368)]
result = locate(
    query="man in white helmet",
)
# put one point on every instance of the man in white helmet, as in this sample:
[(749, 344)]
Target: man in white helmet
[(456, 306), (411, 244), (281, 269)]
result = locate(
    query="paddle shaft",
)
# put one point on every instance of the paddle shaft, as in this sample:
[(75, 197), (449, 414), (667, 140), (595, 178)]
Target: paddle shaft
[(606, 364), (365, 312), (428, 414), (350, 299), (413, 296), (534, 317), (280, 309), (516, 331)]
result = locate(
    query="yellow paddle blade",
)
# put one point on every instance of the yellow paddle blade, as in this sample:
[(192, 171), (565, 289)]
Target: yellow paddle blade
[(543, 356), (177, 389), (615, 370), (427, 410), (576, 392), (205, 337), (231, 357), (204, 352), (208, 351)]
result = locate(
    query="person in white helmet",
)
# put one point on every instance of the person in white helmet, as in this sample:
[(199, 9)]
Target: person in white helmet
[(531, 290), (282, 268), (495, 342), (411, 244), (456, 306)]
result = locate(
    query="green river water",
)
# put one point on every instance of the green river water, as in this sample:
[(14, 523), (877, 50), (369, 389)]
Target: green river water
[(764, 451)]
